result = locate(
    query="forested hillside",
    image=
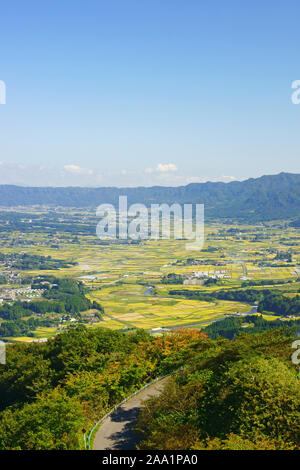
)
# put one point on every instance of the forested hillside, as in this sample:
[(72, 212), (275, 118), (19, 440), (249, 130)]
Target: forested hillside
[(241, 394), (265, 198), (50, 392), (238, 395)]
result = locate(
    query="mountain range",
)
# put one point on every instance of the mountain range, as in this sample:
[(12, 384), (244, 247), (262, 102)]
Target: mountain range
[(265, 198)]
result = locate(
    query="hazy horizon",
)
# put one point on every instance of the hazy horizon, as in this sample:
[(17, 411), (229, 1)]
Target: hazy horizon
[(212, 180)]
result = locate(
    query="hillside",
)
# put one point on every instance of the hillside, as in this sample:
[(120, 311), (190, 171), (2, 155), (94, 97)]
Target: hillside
[(231, 395), (223, 394), (49, 392), (264, 198)]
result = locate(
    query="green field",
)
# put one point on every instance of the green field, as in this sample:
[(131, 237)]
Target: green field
[(118, 275)]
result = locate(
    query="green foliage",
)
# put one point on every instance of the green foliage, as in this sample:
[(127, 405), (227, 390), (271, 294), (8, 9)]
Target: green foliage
[(60, 296), (231, 327), (240, 295), (280, 304), (267, 299), (50, 391), (241, 394), (267, 282), (53, 421), (296, 223), (26, 261), (172, 278), (26, 373), (231, 395)]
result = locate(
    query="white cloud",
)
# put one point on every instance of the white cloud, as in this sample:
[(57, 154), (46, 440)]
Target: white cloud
[(75, 175), (194, 179), (162, 168), (149, 170), (77, 170), (212, 179), (230, 178), (166, 167)]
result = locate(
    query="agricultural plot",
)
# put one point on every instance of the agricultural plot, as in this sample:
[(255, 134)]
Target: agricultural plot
[(118, 276), (128, 304)]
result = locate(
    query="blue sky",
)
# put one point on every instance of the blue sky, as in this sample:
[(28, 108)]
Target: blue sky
[(148, 92)]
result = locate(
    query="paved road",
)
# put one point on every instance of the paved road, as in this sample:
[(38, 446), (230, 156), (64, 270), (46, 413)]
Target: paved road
[(116, 432)]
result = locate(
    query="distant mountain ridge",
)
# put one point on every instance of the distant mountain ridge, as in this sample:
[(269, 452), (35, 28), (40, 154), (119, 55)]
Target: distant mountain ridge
[(265, 198)]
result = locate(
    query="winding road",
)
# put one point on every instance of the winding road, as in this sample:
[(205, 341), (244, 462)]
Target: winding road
[(116, 432)]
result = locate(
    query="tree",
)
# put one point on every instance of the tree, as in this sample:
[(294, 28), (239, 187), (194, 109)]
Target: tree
[(53, 422)]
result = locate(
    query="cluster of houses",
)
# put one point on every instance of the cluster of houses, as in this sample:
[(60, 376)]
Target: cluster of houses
[(21, 293), (211, 274), (199, 277), (11, 277), (25, 242), (86, 317), (196, 262)]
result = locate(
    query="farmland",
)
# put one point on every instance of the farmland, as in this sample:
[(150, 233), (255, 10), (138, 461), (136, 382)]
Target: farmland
[(118, 275)]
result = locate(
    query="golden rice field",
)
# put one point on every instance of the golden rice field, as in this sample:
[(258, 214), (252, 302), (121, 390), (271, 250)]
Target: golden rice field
[(128, 304), (119, 275)]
